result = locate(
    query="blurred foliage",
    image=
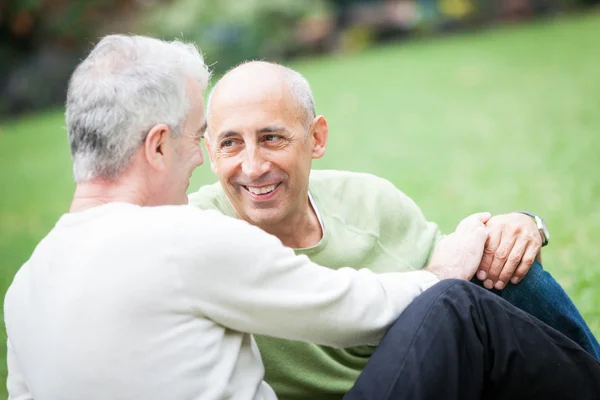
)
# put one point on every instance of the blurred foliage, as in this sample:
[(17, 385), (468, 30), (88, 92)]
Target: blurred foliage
[(230, 31), (62, 22), (42, 40)]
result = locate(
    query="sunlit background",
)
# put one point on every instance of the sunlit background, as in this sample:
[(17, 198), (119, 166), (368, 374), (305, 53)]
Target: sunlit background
[(465, 105)]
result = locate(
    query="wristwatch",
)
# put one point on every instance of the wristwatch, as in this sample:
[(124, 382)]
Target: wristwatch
[(541, 225)]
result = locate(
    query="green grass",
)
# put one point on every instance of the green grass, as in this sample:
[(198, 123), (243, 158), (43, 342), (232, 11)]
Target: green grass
[(500, 120)]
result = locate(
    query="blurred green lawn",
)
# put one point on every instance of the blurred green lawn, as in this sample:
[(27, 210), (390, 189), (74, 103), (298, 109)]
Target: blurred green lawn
[(501, 120)]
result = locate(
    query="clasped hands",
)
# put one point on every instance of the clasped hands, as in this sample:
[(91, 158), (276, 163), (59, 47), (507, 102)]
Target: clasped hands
[(498, 249)]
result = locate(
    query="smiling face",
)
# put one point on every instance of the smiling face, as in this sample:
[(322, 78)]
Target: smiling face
[(260, 145)]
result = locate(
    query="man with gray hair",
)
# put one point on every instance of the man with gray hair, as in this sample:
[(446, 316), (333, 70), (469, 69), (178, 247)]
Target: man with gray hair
[(132, 297)]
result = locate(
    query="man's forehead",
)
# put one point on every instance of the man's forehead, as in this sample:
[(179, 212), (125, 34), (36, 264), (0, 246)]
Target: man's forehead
[(249, 94), (247, 120), (250, 105)]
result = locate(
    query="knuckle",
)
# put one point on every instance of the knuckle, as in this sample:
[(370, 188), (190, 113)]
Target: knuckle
[(489, 251), (528, 260), (501, 254), (514, 259)]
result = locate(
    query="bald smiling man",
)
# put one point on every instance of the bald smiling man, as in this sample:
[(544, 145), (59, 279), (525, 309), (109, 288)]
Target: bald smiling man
[(263, 133)]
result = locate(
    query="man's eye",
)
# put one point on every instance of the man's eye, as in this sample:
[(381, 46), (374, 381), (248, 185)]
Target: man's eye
[(270, 138), (227, 143)]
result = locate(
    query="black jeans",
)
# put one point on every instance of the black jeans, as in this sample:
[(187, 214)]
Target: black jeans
[(458, 341), (540, 295)]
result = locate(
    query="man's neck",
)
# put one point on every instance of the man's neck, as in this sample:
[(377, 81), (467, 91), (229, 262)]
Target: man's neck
[(300, 230), (97, 192)]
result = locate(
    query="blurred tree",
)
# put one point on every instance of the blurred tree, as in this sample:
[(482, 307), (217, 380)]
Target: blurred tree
[(41, 41), (231, 31)]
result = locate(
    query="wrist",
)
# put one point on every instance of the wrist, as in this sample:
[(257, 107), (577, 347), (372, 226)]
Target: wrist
[(443, 272), (541, 226)]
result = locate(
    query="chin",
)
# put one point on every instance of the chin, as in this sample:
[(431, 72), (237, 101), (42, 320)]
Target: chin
[(264, 218)]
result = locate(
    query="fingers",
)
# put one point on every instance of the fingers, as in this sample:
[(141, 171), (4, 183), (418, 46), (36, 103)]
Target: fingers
[(473, 221), (480, 237), (489, 251), (483, 217), (470, 245), (507, 243), (526, 262), (513, 261)]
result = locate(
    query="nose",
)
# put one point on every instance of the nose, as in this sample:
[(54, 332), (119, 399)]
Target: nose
[(253, 164)]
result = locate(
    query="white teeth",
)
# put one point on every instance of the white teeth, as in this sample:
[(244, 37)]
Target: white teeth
[(261, 190)]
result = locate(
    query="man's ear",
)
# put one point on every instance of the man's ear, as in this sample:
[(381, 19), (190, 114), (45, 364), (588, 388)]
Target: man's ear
[(156, 146), (213, 164), (319, 132)]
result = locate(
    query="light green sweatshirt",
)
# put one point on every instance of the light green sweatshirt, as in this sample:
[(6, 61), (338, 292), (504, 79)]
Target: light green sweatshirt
[(367, 223)]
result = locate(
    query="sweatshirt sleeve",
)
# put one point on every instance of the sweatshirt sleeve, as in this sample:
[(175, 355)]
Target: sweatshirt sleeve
[(15, 382), (244, 279), (403, 226)]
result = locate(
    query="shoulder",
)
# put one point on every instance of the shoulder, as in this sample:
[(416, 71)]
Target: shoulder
[(170, 225), (357, 190), (210, 197), (211, 228), (186, 218)]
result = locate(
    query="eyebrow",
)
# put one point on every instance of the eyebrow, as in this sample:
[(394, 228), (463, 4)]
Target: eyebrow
[(271, 129), (226, 134), (266, 129)]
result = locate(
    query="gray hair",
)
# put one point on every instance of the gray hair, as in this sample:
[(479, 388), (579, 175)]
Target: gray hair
[(301, 93), (297, 85), (127, 85)]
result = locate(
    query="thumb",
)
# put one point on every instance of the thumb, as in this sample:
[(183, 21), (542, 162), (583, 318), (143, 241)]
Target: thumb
[(472, 221), (483, 216)]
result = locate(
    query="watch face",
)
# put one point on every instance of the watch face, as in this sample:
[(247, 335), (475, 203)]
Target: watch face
[(543, 230)]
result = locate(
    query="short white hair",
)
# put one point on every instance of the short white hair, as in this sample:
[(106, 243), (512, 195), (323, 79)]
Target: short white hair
[(125, 86)]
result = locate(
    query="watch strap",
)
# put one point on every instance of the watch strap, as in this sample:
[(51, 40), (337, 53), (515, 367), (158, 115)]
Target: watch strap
[(540, 225)]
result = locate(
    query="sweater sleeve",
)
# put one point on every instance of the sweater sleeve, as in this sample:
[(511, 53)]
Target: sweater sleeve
[(15, 382), (244, 279), (403, 226)]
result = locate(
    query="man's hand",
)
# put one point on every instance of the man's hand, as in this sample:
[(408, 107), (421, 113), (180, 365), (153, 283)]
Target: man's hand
[(459, 254), (514, 242)]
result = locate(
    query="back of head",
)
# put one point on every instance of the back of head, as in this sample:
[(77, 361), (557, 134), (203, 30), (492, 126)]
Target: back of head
[(127, 85)]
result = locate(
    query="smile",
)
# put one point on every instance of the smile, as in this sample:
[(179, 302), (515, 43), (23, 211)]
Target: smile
[(262, 190)]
